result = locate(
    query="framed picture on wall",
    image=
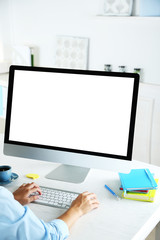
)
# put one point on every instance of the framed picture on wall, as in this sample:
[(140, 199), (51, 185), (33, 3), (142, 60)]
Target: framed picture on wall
[(118, 7), (71, 52)]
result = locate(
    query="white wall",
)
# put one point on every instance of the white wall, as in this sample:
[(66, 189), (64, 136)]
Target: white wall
[(5, 31), (134, 42)]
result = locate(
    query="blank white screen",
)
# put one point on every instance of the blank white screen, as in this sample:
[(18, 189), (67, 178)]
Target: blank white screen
[(84, 112)]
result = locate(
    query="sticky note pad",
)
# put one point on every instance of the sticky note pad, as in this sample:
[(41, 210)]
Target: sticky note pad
[(32, 175)]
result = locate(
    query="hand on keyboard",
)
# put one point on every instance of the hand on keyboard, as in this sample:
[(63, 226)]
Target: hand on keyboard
[(24, 194), (84, 203), (78, 204)]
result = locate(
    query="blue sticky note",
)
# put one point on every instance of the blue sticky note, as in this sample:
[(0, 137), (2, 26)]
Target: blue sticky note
[(1, 101)]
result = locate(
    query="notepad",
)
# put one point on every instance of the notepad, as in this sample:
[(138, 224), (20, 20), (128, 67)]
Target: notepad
[(137, 191), (138, 179), (146, 197)]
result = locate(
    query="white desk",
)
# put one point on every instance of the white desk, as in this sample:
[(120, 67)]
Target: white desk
[(122, 220)]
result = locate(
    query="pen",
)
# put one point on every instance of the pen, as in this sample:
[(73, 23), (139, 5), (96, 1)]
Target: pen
[(114, 194)]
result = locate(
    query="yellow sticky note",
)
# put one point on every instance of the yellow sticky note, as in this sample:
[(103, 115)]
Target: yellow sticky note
[(32, 175)]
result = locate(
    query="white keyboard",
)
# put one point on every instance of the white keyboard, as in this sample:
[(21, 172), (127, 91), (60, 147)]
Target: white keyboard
[(56, 197)]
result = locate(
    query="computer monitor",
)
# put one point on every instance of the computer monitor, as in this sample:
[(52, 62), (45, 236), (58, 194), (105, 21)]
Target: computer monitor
[(80, 118)]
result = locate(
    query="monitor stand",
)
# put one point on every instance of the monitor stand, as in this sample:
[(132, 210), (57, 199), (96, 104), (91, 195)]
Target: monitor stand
[(67, 173)]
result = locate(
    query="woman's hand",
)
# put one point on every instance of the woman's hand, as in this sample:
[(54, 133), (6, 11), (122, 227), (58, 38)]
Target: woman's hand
[(24, 193), (84, 203)]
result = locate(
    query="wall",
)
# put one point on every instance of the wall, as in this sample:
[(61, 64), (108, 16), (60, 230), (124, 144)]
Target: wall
[(134, 42), (5, 31)]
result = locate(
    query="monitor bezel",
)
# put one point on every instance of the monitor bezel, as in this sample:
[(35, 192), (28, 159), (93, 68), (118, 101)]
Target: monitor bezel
[(12, 70)]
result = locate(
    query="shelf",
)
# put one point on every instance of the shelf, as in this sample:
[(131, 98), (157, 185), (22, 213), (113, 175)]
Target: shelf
[(131, 17)]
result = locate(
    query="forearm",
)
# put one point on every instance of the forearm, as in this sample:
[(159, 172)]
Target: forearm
[(84, 203), (70, 216)]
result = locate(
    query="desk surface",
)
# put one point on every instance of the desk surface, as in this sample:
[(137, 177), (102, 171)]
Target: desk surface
[(122, 220)]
